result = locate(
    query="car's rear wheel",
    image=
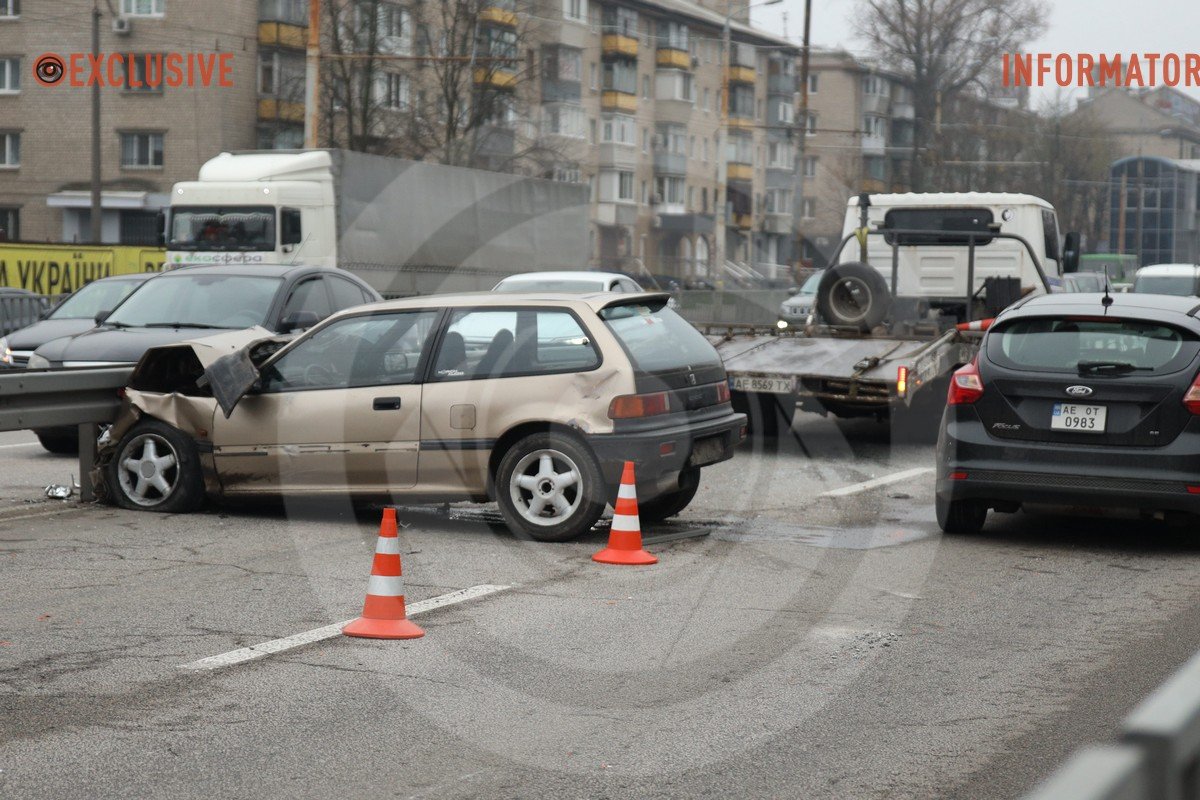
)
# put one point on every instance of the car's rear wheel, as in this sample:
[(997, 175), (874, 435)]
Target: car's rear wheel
[(670, 504), (961, 516), (549, 487), (156, 468)]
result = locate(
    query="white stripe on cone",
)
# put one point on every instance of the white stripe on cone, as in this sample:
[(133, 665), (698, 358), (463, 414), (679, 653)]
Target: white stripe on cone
[(387, 546), (386, 586), (625, 522), (627, 492)]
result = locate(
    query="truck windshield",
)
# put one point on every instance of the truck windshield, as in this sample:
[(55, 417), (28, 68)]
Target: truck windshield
[(222, 228)]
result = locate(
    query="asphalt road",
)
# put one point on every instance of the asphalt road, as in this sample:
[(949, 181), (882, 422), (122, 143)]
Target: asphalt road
[(806, 645)]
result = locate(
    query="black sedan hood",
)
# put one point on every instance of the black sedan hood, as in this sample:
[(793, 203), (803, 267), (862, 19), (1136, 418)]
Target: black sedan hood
[(37, 334), (116, 345)]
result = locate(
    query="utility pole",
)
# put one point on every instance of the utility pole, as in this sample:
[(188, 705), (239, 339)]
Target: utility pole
[(721, 208), (798, 167), (96, 212), (312, 77)]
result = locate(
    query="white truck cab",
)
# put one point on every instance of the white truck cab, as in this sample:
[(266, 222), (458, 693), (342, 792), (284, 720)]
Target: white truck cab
[(935, 264)]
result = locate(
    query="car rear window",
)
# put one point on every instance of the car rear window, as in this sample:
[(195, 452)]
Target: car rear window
[(656, 339), (1103, 346), (1181, 285)]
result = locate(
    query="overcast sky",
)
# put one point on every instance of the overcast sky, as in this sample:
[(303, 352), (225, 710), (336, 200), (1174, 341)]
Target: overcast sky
[(1089, 26)]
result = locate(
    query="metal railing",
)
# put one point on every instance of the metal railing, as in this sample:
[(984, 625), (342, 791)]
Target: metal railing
[(81, 398), (1158, 757), (20, 311)]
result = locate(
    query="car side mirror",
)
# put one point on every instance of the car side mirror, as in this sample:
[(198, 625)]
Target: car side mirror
[(298, 321), (1071, 252), (793, 291), (102, 316)]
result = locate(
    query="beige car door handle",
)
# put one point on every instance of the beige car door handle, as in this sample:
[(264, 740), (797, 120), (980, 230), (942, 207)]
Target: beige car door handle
[(386, 404)]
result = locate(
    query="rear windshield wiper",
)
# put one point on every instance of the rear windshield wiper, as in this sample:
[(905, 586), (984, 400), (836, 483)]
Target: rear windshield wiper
[(1108, 366), (186, 325)]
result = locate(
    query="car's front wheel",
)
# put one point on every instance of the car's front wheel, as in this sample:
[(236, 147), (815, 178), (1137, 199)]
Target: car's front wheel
[(549, 487), (960, 516), (156, 468)]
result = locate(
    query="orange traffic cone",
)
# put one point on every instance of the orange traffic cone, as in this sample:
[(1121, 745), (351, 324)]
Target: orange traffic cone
[(383, 613), (625, 536)]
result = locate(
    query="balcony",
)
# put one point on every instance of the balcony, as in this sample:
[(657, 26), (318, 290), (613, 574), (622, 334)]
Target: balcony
[(271, 109), (739, 171), (670, 57), (618, 101), (875, 103), (903, 111), (498, 78), (740, 74), (873, 145), (619, 156), (499, 16), (743, 222), (616, 213), (560, 91), (683, 222), (737, 122), (616, 44), (777, 222), (782, 84), (281, 34), (668, 163)]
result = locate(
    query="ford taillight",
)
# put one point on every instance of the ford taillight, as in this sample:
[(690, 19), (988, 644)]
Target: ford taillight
[(1191, 400), (965, 386)]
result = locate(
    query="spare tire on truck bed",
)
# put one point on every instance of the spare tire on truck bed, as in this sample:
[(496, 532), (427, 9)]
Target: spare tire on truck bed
[(853, 295)]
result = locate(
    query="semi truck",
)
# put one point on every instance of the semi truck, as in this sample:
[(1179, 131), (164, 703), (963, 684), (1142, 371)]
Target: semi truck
[(894, 312), (406, 227)]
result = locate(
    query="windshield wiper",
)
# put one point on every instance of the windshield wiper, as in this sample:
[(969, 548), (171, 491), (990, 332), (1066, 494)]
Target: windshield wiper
[(1108, 366), (187, 325)]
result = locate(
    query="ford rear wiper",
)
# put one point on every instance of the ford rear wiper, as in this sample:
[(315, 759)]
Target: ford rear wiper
[(1108, 366)]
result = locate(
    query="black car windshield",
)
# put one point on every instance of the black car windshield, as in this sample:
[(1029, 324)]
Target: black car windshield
[(223, 228), (1110, 346), (657, 339), (1181, 285), (94, 298), (224, 301)]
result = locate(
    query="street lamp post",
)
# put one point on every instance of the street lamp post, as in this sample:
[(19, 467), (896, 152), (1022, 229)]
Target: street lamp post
[(722, 165)]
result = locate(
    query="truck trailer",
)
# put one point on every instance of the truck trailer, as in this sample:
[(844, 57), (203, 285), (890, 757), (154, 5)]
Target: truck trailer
[(406, 227)]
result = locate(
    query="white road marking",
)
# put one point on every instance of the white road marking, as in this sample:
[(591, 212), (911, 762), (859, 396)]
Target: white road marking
[(329, 631), (23, 444), (884, 480)]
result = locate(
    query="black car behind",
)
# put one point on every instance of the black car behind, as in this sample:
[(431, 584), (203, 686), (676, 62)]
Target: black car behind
[(1076, 400)]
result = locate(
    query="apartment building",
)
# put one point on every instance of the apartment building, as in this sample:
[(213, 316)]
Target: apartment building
[(151, 136), (858, 138)]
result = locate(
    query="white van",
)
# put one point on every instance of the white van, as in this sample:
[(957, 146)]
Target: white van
[(1177, 279), (934, 265)]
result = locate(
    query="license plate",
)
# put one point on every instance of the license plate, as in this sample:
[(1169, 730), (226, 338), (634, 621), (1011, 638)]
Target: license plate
[(1078, 419), (745, 383), (707, 450)]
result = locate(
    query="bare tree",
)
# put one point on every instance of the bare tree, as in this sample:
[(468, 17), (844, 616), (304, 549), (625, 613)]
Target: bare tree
[(943, 47)]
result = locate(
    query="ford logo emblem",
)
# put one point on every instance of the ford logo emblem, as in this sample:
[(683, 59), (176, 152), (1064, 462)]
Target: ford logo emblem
[(1079, 391)]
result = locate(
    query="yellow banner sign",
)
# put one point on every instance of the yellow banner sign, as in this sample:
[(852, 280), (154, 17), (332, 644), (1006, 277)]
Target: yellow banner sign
[(58, 269)]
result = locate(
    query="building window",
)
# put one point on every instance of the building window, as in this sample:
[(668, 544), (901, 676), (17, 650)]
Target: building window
[(874, 125), (620, 76), (10, 75), (704, 150), (669, 189), (705, 104), (575, 10), (779, 201), (293, 12), (141, 150), (562, 64), (810, 166), (566, 173), (646, 86), (645, 140), (672, 35), (594, 82), (625, 186), (811, 128), (392, 91), (143, 8), (739, 149), (874, 85), (673, 84), (563, 119), (741, 102), (619, 129), (808, 208), (9, 9), (672, 139), (780, 155), (10, 224), (619, 20), (146, 76), (813, 82), (10, 150), (786, 113), (645, 193)]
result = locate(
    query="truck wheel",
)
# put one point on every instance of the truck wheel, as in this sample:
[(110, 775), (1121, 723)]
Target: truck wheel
[(853, 295), (156, 468), (765, 413), (549, 487), (671, 503), (960, 516)]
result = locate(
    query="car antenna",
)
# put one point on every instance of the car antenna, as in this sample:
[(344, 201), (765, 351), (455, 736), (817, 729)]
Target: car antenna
[(1107, 300)]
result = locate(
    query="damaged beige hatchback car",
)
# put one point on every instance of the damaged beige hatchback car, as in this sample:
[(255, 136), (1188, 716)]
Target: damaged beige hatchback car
[(533, 401)]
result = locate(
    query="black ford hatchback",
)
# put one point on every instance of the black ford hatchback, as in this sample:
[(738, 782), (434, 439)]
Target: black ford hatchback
[(1076, 400)]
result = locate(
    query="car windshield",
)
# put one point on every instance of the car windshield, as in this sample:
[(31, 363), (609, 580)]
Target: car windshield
[(94, 298), (657, 339), (1182, 285), (223, 228), (556, 285), (1114, 345), (223, 301), (810, 285)]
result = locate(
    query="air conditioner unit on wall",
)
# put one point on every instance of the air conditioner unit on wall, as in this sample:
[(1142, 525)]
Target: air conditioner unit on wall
[(122, 26)]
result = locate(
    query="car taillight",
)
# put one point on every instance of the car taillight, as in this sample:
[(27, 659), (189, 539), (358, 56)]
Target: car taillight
[(965, 385), (630, 406), (722, 392), (1191, 400)]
